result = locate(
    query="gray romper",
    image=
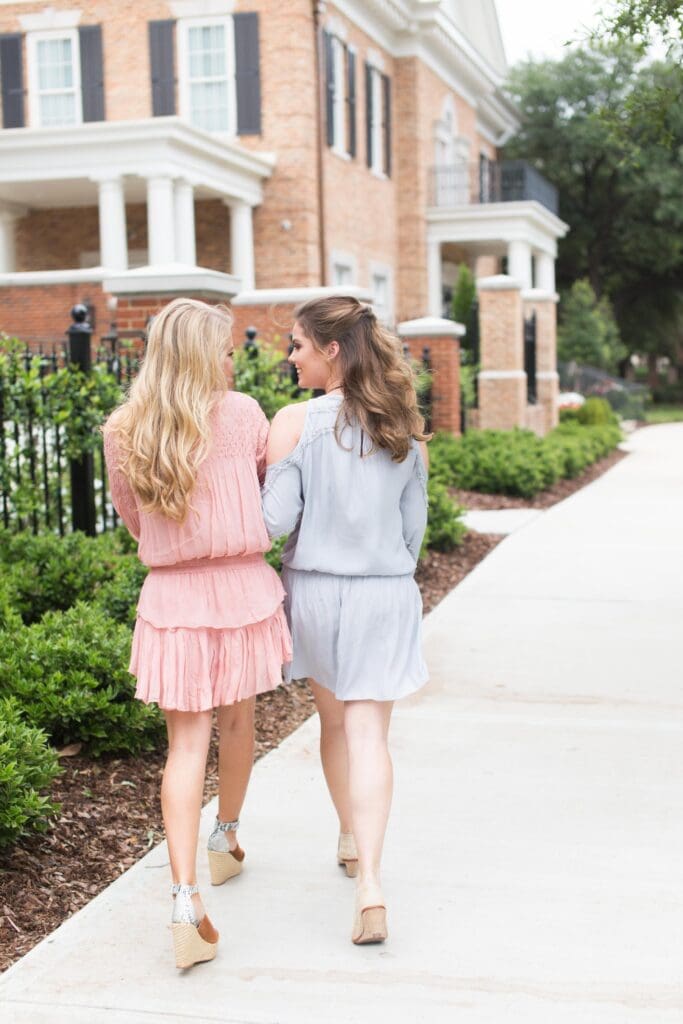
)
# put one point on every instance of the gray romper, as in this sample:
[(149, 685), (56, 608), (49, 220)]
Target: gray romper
[(355, 528)]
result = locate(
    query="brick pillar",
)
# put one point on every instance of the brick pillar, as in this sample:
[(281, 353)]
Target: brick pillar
[(544, 305), (502, 380), (441, 337)]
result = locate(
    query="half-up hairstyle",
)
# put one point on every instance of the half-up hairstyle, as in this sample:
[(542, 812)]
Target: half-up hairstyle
[(163, 429), (377, 380)]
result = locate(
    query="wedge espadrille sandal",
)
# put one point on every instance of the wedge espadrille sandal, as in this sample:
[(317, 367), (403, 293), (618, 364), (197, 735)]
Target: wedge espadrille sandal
[(224, 863), (347, 857), (370, 925), (194, 941)]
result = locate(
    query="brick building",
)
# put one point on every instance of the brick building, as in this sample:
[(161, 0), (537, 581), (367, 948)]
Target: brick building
[(252, 150)]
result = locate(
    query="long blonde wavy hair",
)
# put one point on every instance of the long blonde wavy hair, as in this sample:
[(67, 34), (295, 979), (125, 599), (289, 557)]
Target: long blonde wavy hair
[(377, 380), (163, 429)]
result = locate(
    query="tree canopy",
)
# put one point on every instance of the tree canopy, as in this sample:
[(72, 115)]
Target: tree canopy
[(621, 194)]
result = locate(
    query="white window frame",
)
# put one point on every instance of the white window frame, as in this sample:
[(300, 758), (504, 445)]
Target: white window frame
[(340, 106), (34, 91), (343, 261), (384, 312), (183, 27), (376, 116)]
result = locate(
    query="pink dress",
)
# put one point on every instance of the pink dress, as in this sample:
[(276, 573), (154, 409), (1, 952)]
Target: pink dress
[(210, 626)]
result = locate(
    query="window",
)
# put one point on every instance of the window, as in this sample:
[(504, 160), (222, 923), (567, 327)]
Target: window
[(207, 74), (382, 292), (55, 78), (342, 274), (340, 84), (378, 117)]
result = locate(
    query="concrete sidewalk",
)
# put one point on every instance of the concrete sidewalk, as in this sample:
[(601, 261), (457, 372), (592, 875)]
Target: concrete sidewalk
[(534, 860)]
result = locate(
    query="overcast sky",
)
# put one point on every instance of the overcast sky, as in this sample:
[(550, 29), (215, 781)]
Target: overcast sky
[(541, 27)]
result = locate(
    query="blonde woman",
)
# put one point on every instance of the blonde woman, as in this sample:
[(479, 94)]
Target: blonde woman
[(347, 482), (185, 456)]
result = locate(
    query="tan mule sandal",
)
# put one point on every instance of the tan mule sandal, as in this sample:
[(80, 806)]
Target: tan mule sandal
[(224, 863), (347, 857), (370, 925), (194, 941)]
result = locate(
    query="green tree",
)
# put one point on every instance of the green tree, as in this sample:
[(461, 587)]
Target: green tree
[(464, 295), (624, 205), (588, 333)]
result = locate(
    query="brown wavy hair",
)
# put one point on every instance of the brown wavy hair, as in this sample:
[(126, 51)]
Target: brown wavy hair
[(377, 380), (163, 429)]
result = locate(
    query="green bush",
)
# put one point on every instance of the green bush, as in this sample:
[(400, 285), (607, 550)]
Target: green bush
[(445, 528), (118, 597), (51, 573), (262, 373), (27, 767), (595, 412), (70, 674)]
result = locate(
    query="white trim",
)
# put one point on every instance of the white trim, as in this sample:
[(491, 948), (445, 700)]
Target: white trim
[(341, 258), (295, 296), (34, 93), (201, 8), (386, 312), (43, 277), (539, 295), (525, 220), (498, 283), (376, 121), (183, 27), (339, 99), (502, 375), (375, 59), (547, 375), (337, 27), (430, 327), (49, 19), (173, 278)]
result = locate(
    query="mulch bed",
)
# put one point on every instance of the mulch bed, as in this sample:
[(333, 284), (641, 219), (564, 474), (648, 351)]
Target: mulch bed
[(111, 813)]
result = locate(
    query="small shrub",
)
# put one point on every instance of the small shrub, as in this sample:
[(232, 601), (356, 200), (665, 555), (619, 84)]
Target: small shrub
[(27, 767), (263, 373), (70, 674), (118, 597), (595, 412), (274, 556), (445, 528)]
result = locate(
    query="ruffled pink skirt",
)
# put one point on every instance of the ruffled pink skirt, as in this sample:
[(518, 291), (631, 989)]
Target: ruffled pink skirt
[(209, 633)]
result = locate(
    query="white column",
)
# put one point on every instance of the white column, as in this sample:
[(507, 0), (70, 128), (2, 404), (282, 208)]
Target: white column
[(185, 239), (545, 271), (113, 240), (519, 262), (434, 279), (160, 221), (8, 263), (242, 244)]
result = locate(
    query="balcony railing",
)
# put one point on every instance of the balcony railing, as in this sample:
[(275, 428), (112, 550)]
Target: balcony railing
[(487, 182)]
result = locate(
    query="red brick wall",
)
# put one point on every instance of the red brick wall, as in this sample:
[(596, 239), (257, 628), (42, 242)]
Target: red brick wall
[(444, 354), (40, 314)]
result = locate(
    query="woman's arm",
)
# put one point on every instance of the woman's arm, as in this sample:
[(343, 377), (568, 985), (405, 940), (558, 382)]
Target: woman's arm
[(282, 496), (122, 496), (414, 504)]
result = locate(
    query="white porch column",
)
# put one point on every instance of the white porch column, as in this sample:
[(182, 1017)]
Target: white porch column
[(242, 244), (434, 279), (185, 238), (519, 262), (160, 220), (545, 271), (112, 210), (8, 262)]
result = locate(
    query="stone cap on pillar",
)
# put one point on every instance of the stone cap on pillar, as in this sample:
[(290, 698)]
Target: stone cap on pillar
[(539, 295), (430, 327), (498, 283), (173, 279), (297, 296)]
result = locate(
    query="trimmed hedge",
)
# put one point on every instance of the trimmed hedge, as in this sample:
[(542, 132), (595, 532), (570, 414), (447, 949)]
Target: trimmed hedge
[(27, 768)]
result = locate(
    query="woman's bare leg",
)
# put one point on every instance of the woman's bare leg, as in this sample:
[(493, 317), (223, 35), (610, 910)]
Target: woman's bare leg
[(333, 753), (182, 788), (370, 781), (235, 760)]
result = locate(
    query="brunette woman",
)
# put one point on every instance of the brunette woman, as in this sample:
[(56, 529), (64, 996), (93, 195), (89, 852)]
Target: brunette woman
[(185, 456), (347, 482)]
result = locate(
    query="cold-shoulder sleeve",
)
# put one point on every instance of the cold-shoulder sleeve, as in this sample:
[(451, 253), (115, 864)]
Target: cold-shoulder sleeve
[(122, 495), (282, 497), (414, 507)]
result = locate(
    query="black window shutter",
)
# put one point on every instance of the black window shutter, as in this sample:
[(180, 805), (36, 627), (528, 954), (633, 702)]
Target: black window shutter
[(329, 87), (92, 72), (12, 80), (162, 67), (368, 113), (247, 73), (351, 99), (386, 127)]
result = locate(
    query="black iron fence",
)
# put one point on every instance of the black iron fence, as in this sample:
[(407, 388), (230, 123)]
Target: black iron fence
[(505, 181), (530, 358)]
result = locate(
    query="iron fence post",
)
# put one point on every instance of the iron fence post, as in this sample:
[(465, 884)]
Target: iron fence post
[(82, 469)]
